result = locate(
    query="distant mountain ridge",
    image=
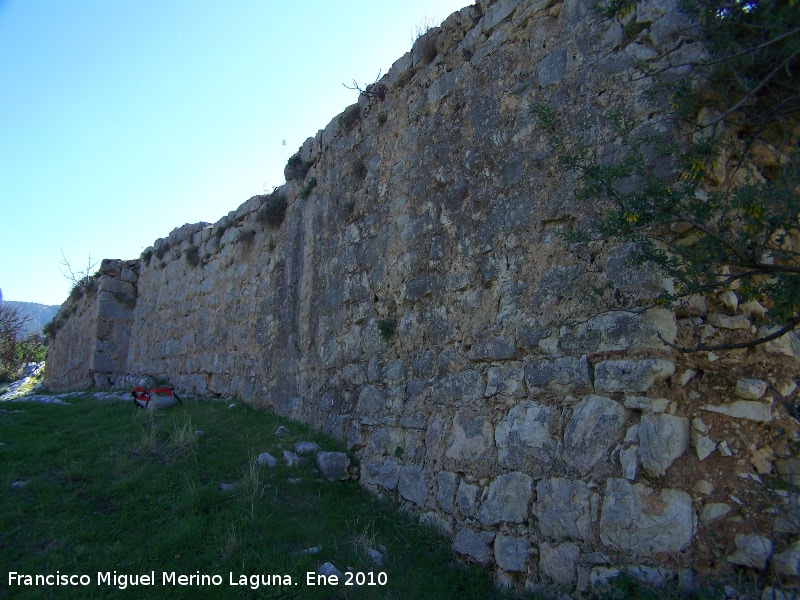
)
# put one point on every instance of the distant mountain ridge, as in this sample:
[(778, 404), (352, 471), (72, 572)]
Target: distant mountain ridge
[(39, 315)]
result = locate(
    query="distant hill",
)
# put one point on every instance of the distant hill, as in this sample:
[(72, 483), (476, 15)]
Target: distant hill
[(39, 314)]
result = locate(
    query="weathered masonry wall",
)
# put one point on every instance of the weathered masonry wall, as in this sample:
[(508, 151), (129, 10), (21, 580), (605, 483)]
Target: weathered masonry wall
[(93, 327), (549, 440)]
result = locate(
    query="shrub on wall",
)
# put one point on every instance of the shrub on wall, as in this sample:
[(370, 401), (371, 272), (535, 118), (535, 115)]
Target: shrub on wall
[(296, 169), (311, 183), (273, 210)]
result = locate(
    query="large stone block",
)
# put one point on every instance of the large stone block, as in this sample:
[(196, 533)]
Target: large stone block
[(620, 331), (560, 373), (523, 437), (563, 508), (459, 388), (662, 439), (412, 485), (559, 563), (332, 465), (468, 498), (470, 440), (638, 520), (507, 500), (446, 486), (597, 424), (631, 375), (469, 543), (511, 553), (384, 474)]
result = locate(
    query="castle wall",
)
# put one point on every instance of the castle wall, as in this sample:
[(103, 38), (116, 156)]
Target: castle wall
[(504, 407)]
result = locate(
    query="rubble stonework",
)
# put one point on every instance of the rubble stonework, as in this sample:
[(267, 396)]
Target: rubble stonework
[(419, 305)]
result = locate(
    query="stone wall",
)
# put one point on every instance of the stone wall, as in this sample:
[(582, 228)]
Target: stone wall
[(547, 439), (93, 328)]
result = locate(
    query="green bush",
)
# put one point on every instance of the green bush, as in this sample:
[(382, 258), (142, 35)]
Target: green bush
[(296, 168), (311, 183), (192, 255), (273, 210), (387, 328), (146, 256)]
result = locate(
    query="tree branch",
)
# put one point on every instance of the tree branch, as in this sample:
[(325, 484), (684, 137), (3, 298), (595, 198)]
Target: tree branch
[(790, 325)]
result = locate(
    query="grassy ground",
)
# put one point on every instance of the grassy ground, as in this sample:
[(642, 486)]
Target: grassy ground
[(111, 488)]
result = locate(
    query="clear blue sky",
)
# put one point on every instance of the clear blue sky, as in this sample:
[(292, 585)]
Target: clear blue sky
[(121, 120)]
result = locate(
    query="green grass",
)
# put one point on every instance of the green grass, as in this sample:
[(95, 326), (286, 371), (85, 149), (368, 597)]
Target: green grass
[(111, 488)]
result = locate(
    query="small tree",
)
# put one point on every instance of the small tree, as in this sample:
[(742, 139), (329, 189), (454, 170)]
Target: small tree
[(709, 228), (15, 351)]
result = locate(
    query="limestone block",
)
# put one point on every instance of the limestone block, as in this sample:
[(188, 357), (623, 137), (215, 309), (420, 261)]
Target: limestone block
[(291, 459), (552, 67), (750, 389), (730, 300), (458, 388), (620, 331), (497, 13), (523, 437), (762, 460), (788, 562), (528, 336), (636, 519), (507, 500), (555, 283), (265, 458), (703, 445), (446, 486), (713, 511), (306, 447), (469, 543), (563, 508), (630, 375), (559, 563), (412, 485), (751, 551), (743, 409), (470, 439), (788, 344), (558, 373), (384, 474), (753, 310), (597, 424), (332, 465), (653, 405), (494, 349), (511, 553), (726, 322), (468, 498), (662, 439), (371, 406), (629, 460), (693, 306)]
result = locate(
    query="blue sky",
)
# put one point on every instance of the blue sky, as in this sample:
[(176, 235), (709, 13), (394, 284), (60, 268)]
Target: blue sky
[(121, 120)]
